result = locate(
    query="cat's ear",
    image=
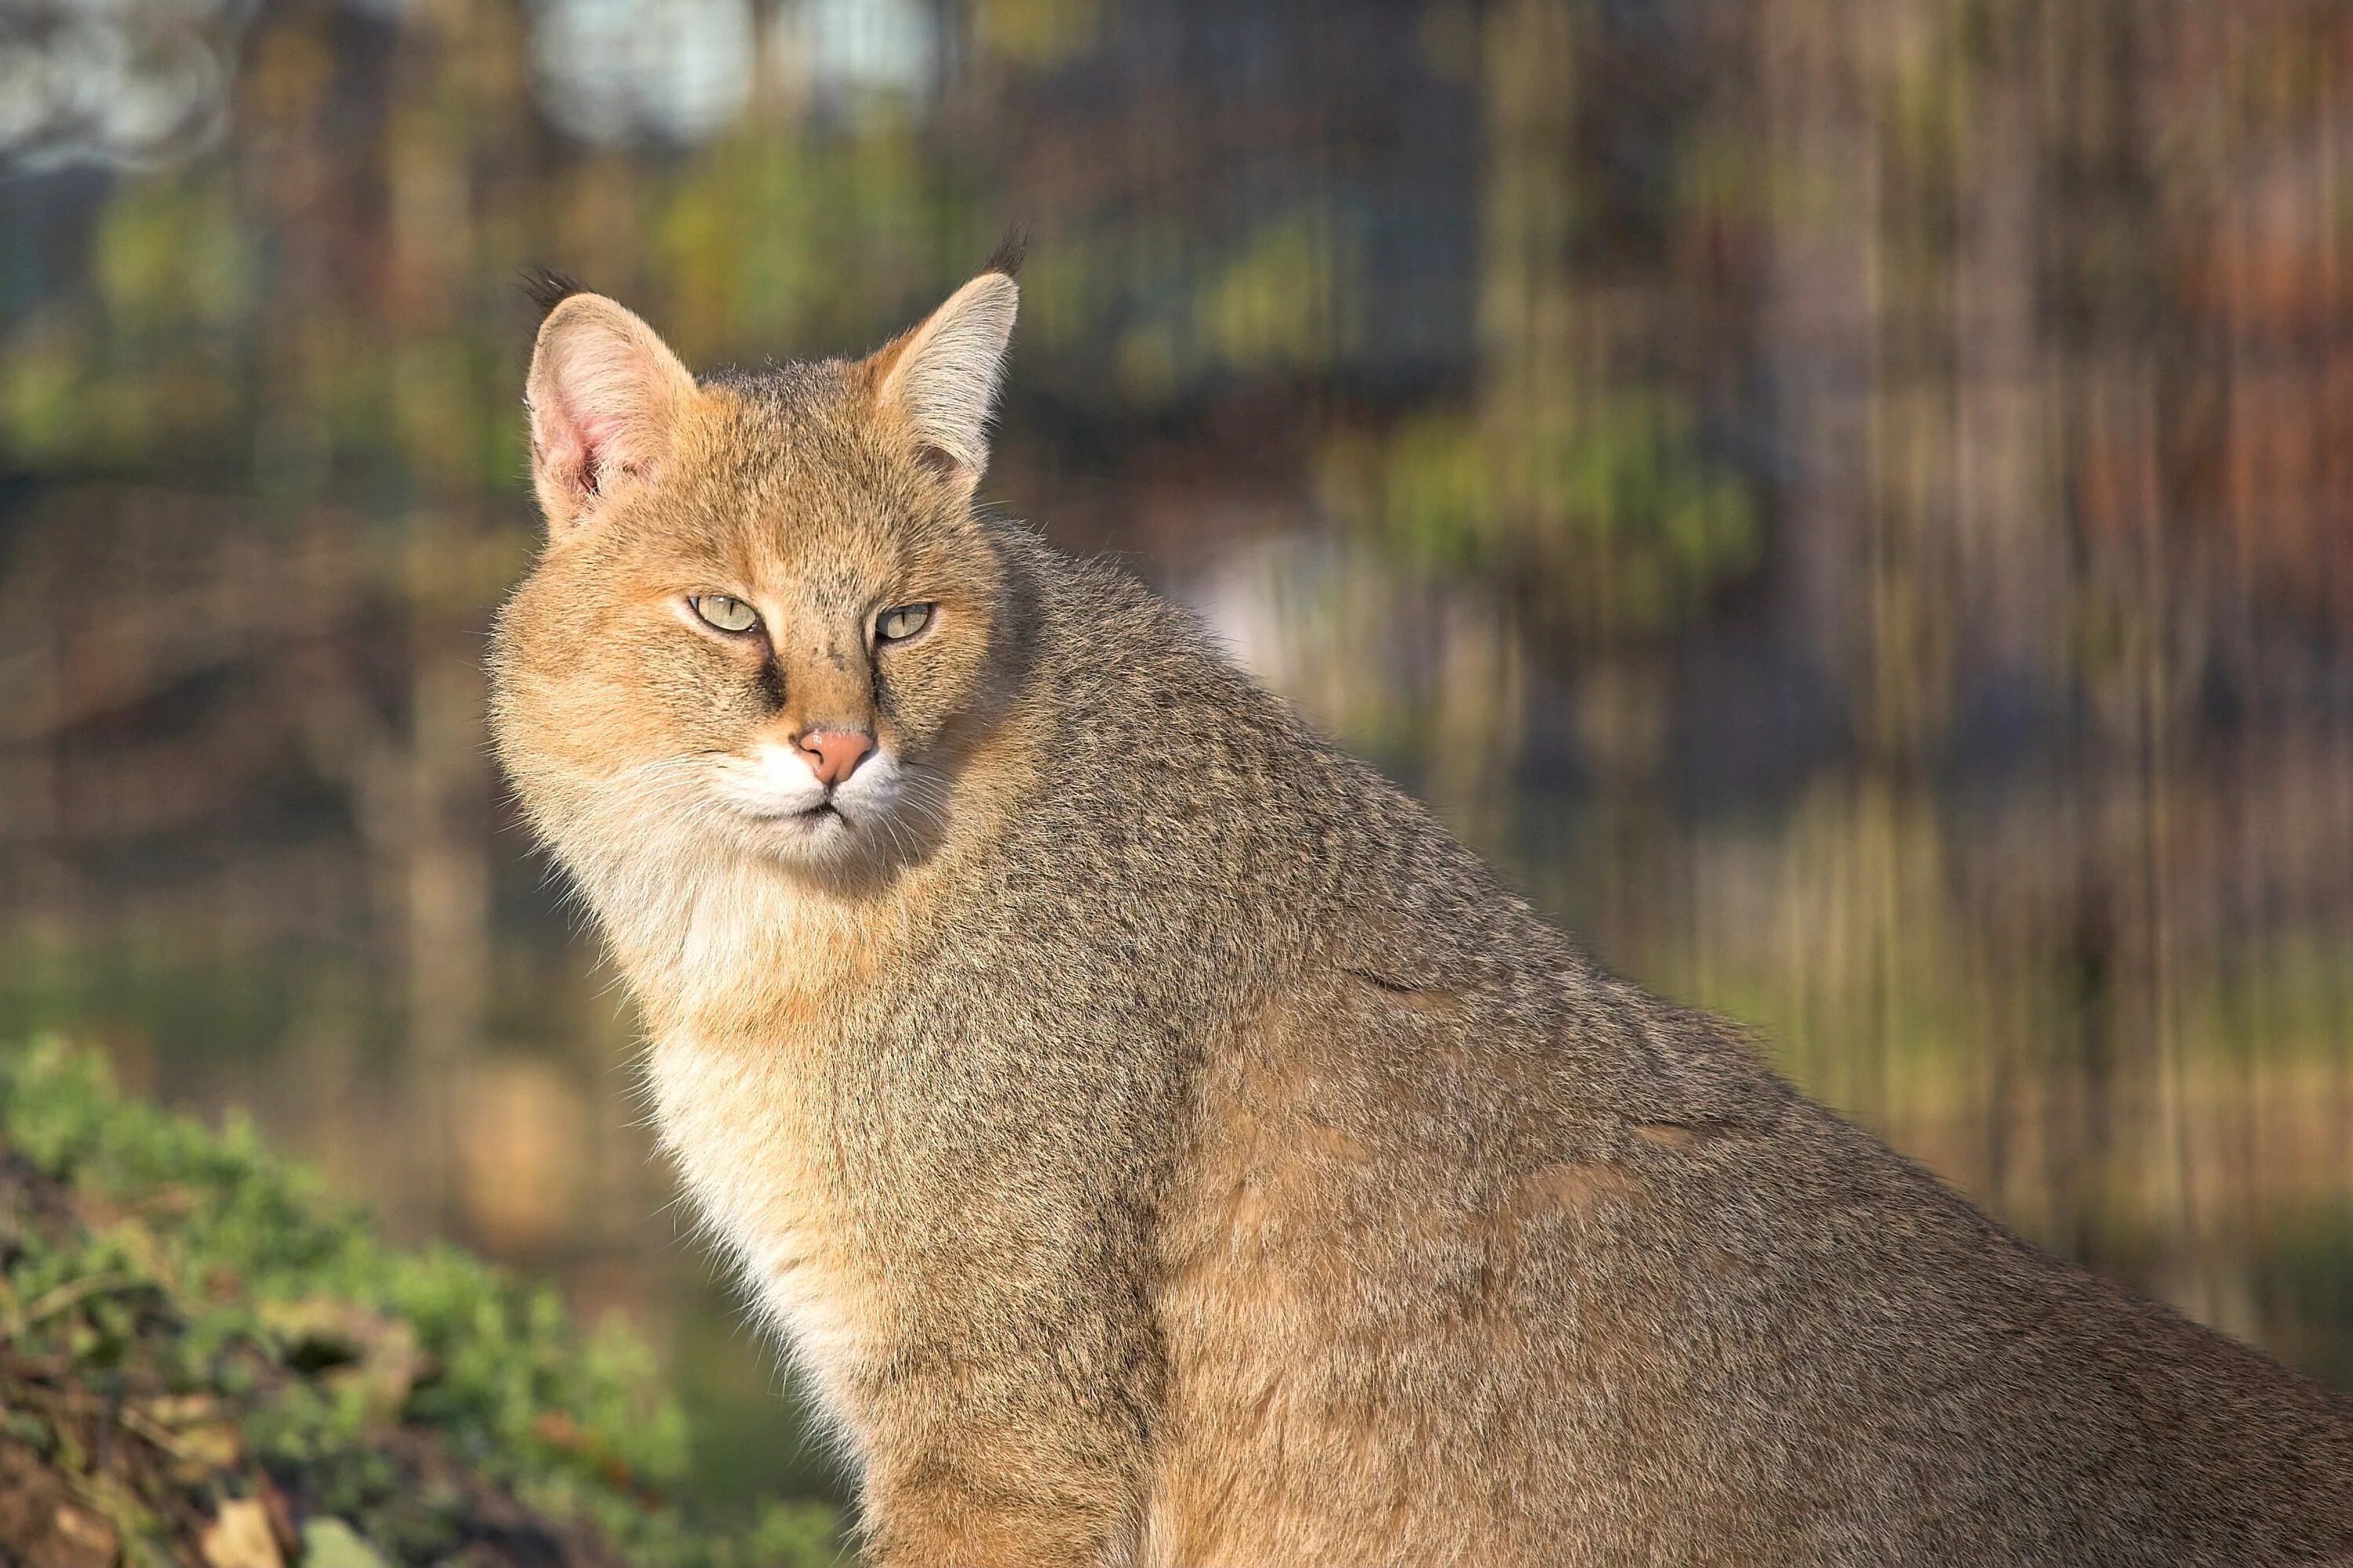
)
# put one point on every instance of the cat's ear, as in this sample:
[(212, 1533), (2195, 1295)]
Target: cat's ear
[(942, 377), (606, 395)]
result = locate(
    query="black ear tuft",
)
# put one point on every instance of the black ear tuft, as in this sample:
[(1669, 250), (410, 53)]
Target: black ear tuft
[(1009, 253), (547, 288)]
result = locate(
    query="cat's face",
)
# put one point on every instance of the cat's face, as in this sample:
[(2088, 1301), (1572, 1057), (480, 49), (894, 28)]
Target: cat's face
[(765, 614)]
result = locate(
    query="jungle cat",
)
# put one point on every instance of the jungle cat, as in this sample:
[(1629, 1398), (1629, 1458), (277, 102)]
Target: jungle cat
[(1161, 1145)]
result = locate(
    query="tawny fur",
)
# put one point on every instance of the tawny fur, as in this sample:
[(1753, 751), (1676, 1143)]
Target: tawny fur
[(1161, 1145)]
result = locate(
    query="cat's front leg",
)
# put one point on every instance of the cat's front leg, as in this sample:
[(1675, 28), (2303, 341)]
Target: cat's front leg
[(1008, 1457), (954, 1523)]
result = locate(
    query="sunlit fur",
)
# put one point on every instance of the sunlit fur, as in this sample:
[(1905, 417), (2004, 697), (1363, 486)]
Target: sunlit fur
[(1161, 1144)]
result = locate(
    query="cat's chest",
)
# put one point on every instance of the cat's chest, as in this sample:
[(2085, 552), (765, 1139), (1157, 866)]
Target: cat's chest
[(748, 1132)]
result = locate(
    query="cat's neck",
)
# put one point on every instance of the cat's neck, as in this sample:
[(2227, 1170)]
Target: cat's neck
[(712, 940)]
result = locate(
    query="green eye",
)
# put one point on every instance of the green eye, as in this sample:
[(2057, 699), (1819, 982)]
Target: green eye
[(898, 625), (725, 613)]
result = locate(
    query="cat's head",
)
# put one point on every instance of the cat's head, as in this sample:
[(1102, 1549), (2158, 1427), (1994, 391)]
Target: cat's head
[(764, 607)]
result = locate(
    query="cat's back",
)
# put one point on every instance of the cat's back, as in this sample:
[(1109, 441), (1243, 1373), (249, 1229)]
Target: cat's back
[(1592, 1288), (1634, 1300), (1469, 1252)]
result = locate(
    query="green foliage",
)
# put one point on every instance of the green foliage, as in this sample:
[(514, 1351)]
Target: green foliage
[(1607, 502), (391, 1391)]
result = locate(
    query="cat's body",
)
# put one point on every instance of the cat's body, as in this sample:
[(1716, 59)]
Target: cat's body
[(1164, 1146)]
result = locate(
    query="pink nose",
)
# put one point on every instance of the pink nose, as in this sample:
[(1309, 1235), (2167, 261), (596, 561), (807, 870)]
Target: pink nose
[(833, 753)]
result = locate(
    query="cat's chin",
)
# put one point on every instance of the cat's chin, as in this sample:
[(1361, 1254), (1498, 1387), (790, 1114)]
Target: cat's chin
[(823, 839), (817, 830)]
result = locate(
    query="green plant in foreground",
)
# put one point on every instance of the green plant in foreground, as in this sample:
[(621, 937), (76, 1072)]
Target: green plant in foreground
[(207, 1361)]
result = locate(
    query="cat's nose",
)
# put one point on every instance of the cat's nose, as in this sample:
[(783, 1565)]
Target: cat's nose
[(833, 753)]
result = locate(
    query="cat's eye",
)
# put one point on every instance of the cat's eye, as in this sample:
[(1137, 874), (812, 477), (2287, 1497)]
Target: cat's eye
[(898, 625), (725, 612)]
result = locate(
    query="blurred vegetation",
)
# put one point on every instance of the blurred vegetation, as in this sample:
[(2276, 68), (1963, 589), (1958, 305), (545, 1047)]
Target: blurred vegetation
[(204, 1361)]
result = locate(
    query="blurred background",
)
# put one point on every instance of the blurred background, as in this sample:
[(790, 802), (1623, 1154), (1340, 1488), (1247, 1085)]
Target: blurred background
[(1849, 502)]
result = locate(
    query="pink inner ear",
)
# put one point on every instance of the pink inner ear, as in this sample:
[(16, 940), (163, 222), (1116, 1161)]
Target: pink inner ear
[(603, 395), (561, 454), (599, 436), (578, 445)]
